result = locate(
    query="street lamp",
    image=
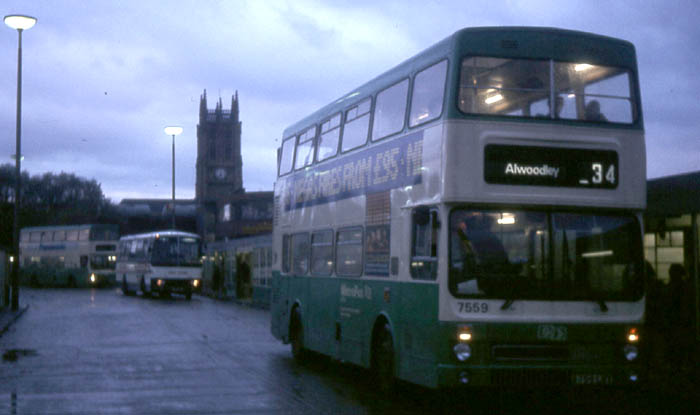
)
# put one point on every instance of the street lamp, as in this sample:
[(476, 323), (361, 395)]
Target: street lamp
[(19, 23), (173, 131)]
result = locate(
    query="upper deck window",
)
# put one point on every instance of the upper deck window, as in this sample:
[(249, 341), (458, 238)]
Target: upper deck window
[(528, 88), (356, 125), (305, 149), (428, 93), (330, 135), (390, 110), (287, 155)]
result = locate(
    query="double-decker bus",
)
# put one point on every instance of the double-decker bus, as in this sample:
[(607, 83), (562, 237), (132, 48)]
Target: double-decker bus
[(472, 216), (73, 256), (160, 263)]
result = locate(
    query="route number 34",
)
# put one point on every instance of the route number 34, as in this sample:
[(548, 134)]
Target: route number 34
[(598, 173), (473, 307)]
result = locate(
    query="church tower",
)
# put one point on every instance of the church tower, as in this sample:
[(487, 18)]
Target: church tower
[(219, 163)]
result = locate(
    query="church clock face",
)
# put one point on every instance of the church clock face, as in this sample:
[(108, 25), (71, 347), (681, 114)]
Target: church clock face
[(220, 173)]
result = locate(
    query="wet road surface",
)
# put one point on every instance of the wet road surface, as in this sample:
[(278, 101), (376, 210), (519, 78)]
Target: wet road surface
[(99, 352)]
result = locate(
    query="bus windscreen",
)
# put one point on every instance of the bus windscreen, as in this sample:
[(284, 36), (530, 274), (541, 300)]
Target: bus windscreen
[(176, 251), (540, 255), (527, 88)]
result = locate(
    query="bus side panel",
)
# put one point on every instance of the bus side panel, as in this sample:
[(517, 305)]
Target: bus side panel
[(416, 333), (322, 315), (279, 306), (299, 292), (360, 303)]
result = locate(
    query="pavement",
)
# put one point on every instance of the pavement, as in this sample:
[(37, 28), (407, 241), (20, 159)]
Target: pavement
[(9, 317)]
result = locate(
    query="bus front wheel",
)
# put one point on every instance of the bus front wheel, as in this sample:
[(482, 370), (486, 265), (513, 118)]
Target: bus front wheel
[(383, 359), (125, 286), (296, 336)]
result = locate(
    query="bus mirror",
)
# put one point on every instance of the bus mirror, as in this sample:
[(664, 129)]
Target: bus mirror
[(435, 219), (421, 216)]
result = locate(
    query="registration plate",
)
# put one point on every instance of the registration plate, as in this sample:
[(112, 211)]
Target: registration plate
[(592, 379)]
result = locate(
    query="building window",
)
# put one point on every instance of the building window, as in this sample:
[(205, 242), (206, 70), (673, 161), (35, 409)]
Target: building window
[(228, 153), (212, 150)]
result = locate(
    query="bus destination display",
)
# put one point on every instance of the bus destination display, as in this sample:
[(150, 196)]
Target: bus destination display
[(550, 166)]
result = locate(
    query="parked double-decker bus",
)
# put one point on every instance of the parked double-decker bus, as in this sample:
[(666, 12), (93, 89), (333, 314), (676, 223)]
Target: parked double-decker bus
[(160, 263), (472, 216), (73, 255)]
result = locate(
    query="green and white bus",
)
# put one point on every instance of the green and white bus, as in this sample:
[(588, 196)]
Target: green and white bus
[(472, 216), (160, 263), (73, 255)]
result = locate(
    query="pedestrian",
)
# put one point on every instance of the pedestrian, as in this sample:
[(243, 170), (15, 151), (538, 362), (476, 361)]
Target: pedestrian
[(678, 317)]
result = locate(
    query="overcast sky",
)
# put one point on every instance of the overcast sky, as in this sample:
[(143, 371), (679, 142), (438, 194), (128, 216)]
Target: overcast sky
[(102, 78)]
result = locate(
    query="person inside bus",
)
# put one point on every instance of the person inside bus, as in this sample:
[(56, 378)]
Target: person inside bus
[(483, 253), (559, 104), (592, 112)]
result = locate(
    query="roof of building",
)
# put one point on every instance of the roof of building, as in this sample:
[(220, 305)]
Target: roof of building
[(674, 195)]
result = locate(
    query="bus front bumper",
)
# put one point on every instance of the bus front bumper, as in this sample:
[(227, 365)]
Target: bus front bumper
[(182, 286), (451, 375)]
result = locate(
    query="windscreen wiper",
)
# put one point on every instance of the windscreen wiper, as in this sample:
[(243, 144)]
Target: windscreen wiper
[(506, 305)]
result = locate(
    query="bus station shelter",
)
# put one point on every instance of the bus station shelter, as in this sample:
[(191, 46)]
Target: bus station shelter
[(672, 233)]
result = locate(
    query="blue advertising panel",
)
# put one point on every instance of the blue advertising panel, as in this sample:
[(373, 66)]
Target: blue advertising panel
[(390, 165)]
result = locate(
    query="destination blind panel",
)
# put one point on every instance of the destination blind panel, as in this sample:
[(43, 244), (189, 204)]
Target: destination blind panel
[(550, 166)]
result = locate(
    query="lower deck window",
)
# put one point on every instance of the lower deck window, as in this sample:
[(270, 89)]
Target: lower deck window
[(349, 252)]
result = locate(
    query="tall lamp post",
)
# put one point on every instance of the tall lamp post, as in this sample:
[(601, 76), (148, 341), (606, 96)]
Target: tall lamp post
[(173, 131), (19, 23)]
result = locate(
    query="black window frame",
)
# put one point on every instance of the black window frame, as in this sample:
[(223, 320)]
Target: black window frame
[(302, 136), (405, 110), (294, 150), (359, 242), (319, 137), (293, 257), (323, 244), (368, 133), (444, 92)]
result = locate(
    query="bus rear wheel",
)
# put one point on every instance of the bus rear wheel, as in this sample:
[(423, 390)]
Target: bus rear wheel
[(383, 360), (296, 336)]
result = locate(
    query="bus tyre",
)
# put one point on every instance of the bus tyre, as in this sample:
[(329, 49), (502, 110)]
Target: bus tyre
[(71, 282), (383, 360), (125, 286), (296, 336), (188, 295), (143, 289)]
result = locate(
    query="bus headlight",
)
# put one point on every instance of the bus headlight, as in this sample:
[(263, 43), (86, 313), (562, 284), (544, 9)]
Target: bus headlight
[(631, 352), (159, 283), (93, 278), (464, 333), (195, 283), (633, 335), (462, 351)]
